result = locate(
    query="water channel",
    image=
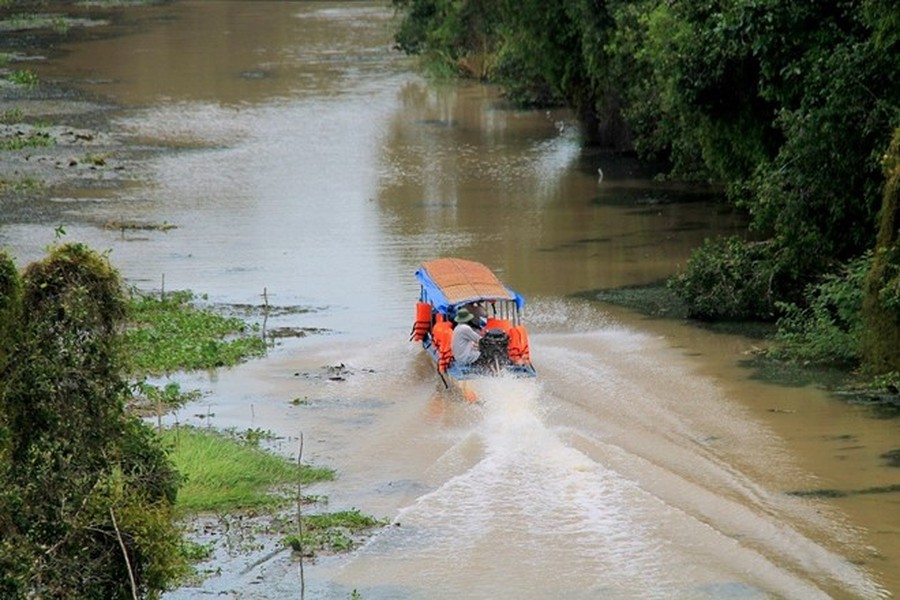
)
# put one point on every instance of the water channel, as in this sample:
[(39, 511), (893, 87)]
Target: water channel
[(314, 164)]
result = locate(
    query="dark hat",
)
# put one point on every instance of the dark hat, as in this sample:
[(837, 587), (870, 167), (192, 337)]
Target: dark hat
[(463, 316)]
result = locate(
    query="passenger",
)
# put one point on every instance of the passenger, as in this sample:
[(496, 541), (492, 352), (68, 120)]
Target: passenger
[(466, 337), (477, 309)]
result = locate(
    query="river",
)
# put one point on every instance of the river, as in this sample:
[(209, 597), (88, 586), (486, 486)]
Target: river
[(314, 165)]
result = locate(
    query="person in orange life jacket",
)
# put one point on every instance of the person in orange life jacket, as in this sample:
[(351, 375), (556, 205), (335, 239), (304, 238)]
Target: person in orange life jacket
[(466, 336)]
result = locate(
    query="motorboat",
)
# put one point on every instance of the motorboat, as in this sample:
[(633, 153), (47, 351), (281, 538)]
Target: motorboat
[(451, 287)]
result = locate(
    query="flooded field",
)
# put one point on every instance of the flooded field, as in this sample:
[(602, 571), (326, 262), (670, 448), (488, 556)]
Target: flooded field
[(302, 158)]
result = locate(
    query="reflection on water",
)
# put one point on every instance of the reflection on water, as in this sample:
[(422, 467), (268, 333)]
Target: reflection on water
[(315, 165), (468, 175)]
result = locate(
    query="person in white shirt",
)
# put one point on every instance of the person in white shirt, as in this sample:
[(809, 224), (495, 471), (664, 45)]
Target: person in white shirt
[(466, 337)]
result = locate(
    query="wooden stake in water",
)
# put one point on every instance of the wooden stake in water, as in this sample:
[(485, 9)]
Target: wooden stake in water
[(300, 514), (265, 312)]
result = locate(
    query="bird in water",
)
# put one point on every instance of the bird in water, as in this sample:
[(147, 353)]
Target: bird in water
[(600, 175)]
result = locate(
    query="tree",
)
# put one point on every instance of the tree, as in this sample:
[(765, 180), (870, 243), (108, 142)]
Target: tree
[(881, 303), (85, 490), (454, 34), (790, 105)]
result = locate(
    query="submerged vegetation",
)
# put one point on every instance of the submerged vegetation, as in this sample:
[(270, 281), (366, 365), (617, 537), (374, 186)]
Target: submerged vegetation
[(790, 106), (332, 532), (37, 139), (19, 185)]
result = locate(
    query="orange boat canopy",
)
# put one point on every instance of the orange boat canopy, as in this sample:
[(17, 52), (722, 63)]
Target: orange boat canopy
[(450, 282)]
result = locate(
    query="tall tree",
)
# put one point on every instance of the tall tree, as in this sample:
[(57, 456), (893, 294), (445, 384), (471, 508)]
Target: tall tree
[(85, 490), (881, 303)]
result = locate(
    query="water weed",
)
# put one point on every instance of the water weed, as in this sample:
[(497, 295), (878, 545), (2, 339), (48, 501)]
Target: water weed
[(332, 532), (11, 115), (20, 185), (23, 77), (36, 139), (172, 333)]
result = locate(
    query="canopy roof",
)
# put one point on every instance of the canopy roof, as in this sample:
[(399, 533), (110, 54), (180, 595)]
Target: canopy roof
[(450, 282)]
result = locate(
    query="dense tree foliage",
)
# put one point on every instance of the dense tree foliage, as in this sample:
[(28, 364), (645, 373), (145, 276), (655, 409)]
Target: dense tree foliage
[(789, 104), (85, 490), (881, 304)]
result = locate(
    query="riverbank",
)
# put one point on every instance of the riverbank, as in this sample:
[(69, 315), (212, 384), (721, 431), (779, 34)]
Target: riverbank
[(61, 144), (658, 301)]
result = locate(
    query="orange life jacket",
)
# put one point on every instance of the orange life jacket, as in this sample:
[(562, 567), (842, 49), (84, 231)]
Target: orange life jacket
[(519, 350), (442, 333), (423, 322), (495, 323)]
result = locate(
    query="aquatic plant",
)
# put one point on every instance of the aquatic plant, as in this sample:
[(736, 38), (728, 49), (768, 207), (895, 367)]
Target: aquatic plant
[(20, 185), (35, 139), (172, 333), (11, 115), (331, 531), (23, 77)]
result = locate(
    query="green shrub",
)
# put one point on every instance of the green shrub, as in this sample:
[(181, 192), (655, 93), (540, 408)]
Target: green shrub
[(10, 306), (827, 330), (881, 306), (729, 279), (86, 490)]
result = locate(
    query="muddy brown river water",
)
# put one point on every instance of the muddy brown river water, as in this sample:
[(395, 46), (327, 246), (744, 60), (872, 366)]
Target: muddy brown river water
[(315, 164)]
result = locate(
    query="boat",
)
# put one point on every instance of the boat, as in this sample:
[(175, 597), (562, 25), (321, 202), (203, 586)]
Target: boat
[(449, 286)]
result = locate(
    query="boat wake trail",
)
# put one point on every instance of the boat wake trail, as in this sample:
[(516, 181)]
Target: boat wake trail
[(599, 481)]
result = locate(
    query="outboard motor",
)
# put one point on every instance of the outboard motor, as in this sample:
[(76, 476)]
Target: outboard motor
[(494, 347)]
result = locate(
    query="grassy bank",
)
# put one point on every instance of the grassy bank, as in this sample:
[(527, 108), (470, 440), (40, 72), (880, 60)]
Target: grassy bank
[(228, 474), (223, 473)]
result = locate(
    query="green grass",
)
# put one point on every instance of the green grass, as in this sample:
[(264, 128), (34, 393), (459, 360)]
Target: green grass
[(22, 185), (23, 77), (224, 474), (173, 334), (38, 139)]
